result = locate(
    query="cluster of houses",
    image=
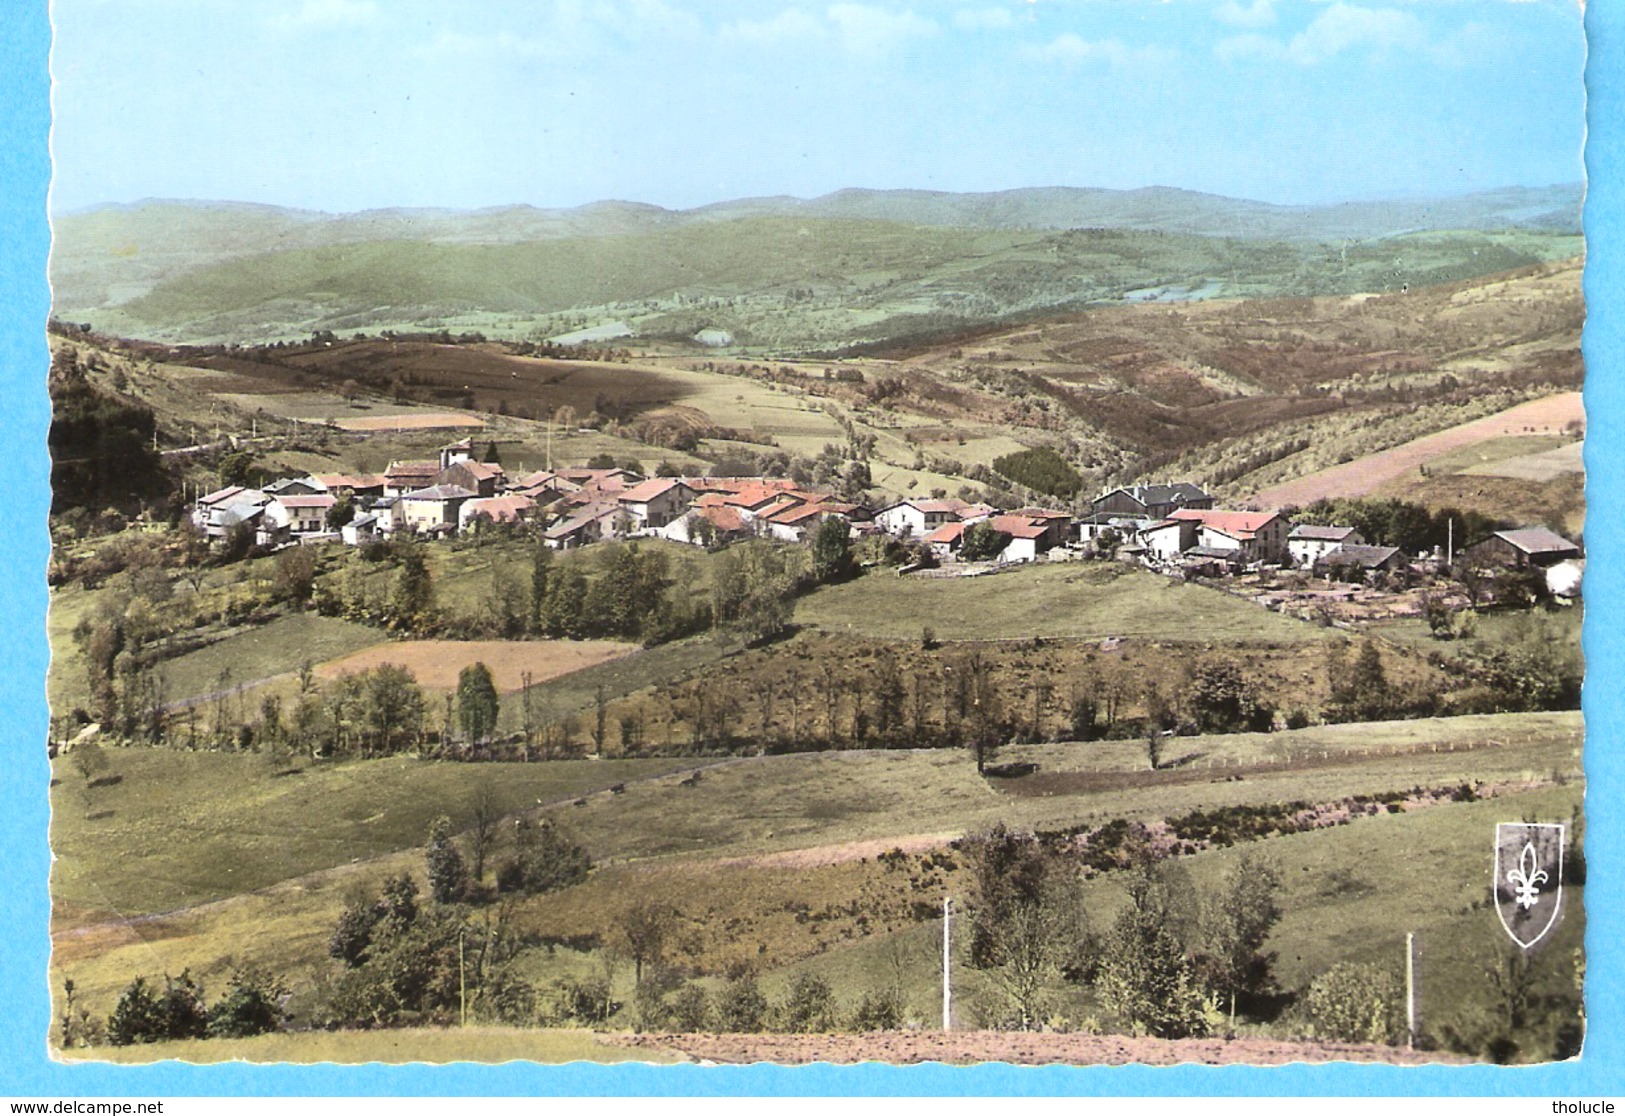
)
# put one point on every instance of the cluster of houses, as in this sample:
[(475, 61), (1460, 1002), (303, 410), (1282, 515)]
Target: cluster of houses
[(1161, 525)]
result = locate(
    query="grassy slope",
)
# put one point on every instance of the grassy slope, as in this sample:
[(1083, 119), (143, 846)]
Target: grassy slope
[(659, 840), (1061, 600), (183, 828)]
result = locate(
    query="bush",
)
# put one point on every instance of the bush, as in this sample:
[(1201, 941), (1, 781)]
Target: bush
[(880, 1011), (741, 1008), (1355, 1003), (544, 859), (580, 1002), (689, 1010), (251, 1007), (143, 1016), (809, 1007)]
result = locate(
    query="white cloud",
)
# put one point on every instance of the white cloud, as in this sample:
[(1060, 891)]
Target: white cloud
[(1071, 49), (789, 26), (984, 19), (1260, 13), (328, 13), (872, 32), (1337, 30)]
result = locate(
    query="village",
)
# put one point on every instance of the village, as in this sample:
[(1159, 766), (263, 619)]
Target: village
[(1172, 528)]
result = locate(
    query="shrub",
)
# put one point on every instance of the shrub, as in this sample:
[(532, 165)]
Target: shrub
[(880, 1011), (1355, 1003), (809, 1007), (250, 1007), (741, 1008)]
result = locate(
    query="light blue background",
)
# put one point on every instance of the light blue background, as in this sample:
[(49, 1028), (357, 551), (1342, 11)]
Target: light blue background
[(24, 858)]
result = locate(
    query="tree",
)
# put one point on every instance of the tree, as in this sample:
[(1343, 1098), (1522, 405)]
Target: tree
[(477, 702), (1235, 924), (543, 859), (137, 1017), (982, 542), (411, 605), (392, 716), (1360, 692), (740, 1007), (486, 815), (832, 550), (1145, 977), (1223, 700), (295, 575), (640, 934), (541, 562), (809, 1006), (448, 877), (341, 513), (1026, 923)]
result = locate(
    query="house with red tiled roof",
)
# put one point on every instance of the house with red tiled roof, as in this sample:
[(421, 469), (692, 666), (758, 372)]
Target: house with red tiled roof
[(1260, 536), (1029, 537), (509, 508)]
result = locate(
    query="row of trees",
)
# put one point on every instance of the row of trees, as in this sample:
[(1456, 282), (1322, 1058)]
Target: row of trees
[(251, 1005), (1169, 964)]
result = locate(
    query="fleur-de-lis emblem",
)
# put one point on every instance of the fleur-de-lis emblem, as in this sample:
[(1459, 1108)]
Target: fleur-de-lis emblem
[(1528, 891), (1528, 877)]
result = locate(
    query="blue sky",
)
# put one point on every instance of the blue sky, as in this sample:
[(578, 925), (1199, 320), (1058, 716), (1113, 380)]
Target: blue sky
[(351, 104)]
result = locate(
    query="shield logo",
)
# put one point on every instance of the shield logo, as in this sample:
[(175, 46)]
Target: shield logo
[(1528, 878)]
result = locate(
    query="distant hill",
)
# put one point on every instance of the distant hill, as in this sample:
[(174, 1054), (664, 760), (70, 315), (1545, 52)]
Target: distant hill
[(217, 270)]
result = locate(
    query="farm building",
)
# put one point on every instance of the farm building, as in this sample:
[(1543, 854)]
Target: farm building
[(1307, 543), (1524, 546), (1563, 580), (363, 529), (1355, 561), (1151, 501)]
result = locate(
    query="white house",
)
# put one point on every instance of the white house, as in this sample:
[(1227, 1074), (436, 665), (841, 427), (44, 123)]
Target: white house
[(1307, 543)]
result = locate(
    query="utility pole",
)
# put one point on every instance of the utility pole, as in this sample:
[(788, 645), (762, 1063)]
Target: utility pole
[(1450, 542), (947, 982), (462, 983), (1410, 991)]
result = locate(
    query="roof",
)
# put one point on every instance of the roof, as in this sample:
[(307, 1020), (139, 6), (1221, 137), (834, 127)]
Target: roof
[(1236, 524), (589, 514), (947, 534), (1367, 557), (320, 500), (479, 470), (796, 513), (221, 495), (440, 492), (1320, 534), (362, 520), (1042, 513), (502, 509), (1147, 494), (1226, 554), (1537, 540), (1018, 526), (724, 518), (650, 489)]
